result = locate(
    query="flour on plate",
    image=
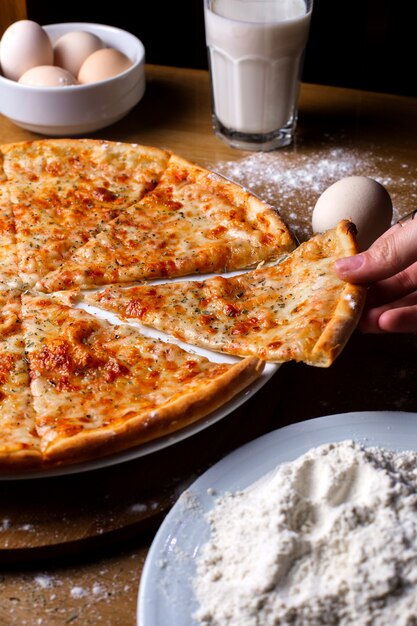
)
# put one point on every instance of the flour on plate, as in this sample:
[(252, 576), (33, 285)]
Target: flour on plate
[(328, 539)]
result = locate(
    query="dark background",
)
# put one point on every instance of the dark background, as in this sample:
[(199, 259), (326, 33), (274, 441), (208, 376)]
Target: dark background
[(366, 44)]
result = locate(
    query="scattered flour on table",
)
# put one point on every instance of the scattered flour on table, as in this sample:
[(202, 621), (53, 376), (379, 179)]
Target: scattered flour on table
[(292, 182), (44, 581), (78, 592), (328, 539)]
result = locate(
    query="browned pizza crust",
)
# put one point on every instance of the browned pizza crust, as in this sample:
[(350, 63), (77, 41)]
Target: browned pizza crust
[(349, 306), (172, 417), (18, 461)]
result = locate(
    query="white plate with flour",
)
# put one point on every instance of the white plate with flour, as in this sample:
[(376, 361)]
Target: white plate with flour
[(166, 593)]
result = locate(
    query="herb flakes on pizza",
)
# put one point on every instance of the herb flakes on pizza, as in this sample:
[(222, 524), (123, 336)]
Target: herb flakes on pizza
[(99, 388), (193, 222), (297, 310), (62, 192)]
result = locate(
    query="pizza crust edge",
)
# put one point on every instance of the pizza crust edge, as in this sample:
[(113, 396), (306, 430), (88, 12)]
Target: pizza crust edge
[(20, 460), (348, 310), (152, 425)]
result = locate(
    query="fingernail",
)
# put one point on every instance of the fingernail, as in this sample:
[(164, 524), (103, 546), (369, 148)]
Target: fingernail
[(350, 263)]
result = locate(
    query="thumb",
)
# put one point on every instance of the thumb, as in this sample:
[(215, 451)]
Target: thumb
[(392, 252)]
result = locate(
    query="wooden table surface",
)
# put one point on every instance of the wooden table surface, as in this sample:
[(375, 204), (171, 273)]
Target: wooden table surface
[(72, 548)]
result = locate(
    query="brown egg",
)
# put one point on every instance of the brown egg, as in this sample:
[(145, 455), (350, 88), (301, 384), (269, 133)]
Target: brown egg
[(47, 76), (103, 64), (72, 49)]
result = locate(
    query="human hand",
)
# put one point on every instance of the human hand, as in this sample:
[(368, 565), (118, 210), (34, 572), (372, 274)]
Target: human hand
[(389, 266)]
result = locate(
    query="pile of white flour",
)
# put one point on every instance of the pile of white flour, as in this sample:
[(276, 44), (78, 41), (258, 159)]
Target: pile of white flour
[(328, 539)]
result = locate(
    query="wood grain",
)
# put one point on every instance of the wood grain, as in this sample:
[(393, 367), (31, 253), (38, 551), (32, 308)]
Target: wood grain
[(67, 514)]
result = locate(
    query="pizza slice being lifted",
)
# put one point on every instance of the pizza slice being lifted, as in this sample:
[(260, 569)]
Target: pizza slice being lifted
[(194, 221), (297, 310), (63, 191), (99, 388)]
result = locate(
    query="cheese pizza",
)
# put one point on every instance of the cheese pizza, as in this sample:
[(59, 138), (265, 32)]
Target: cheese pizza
[(76, 214)]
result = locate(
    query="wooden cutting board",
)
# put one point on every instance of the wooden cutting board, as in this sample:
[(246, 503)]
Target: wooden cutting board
[(68, 514)]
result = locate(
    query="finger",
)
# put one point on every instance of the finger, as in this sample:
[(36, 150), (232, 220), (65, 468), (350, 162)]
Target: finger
[(387, 256), (369, 322), (401, 320), (393, 288), (398, 316)]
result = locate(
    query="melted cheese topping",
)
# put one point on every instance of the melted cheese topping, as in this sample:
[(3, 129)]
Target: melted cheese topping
[(8, 258), (276, 313), (87, 374), (193, 222), (64, 192), (17, 423)]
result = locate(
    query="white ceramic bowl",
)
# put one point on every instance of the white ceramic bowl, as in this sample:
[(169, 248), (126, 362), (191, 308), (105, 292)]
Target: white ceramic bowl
[(78, 109)]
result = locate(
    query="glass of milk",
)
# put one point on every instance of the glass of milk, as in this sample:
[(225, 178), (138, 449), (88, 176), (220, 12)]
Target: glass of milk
[(255, 50)]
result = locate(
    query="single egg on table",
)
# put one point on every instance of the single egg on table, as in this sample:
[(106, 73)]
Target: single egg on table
[(47, 76), (24, 45), (360, 199), (102, 64), (72, 49)]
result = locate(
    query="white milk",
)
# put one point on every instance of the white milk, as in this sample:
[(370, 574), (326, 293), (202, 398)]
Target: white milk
[(255, 51)]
